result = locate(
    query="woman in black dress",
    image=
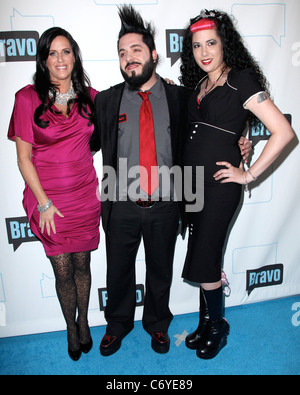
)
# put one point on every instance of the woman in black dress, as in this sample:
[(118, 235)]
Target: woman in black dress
[(229, 91)]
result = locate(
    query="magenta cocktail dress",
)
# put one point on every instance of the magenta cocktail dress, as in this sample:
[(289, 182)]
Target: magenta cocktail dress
[(62, 158)]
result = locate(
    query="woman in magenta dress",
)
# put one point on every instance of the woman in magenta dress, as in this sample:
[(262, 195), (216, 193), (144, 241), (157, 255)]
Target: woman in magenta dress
[(52, 123)]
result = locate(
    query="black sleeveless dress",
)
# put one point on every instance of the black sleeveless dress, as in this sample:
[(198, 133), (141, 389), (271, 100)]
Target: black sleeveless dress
[(215, 127)]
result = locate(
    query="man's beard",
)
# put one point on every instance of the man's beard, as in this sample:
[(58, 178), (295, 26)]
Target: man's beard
[(136, 81)]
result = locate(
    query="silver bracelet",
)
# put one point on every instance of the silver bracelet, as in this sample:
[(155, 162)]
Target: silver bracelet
[(246, 186), (43, 209), (254, 178)]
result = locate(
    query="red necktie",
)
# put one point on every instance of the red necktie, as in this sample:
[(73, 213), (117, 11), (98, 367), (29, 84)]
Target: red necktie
[(148, 181)]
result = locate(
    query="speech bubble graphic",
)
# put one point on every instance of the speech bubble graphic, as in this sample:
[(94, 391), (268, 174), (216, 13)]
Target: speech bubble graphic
[(174, 40), (47, 286), (261, 20), (18, 231), (39, 23), (246, 258)]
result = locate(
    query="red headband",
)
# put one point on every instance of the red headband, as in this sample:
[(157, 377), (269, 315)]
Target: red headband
[(203, 24)]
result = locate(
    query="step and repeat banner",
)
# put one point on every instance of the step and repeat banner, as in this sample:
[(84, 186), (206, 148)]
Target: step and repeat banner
[(262, 256)]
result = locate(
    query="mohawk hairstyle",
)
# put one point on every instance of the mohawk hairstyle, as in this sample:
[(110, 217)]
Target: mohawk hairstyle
[(132, 22)]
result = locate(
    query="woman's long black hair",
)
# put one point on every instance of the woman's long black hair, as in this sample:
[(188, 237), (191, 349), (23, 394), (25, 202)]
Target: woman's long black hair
[(43, 84), (236, 55)]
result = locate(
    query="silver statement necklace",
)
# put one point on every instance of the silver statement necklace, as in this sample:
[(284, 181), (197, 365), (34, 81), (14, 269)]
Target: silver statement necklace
[(63, 98)]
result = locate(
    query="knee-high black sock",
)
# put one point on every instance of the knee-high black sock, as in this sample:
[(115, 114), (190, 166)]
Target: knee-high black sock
[(214, 301), (203, 306)]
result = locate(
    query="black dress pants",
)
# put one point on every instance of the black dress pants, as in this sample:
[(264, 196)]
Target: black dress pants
[(128, 225)]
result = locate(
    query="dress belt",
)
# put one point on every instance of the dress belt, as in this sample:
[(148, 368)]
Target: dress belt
[(147, 203)]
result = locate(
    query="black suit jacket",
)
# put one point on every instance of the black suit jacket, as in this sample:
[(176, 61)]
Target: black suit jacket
[(105, 137)]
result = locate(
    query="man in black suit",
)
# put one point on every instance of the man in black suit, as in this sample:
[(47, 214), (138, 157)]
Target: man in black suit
[(129, 219)]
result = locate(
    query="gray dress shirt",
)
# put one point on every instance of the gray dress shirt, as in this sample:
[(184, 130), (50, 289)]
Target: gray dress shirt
[(128, 142)]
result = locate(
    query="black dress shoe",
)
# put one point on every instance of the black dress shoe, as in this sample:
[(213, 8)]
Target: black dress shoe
[(74, 355), (160, 342), (110, 344), (216, 339), (194, 340)]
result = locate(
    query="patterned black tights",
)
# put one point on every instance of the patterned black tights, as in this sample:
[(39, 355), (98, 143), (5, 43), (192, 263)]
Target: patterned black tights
[(73, 285)]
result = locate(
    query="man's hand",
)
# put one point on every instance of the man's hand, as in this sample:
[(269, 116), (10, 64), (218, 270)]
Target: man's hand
[(245, 147)]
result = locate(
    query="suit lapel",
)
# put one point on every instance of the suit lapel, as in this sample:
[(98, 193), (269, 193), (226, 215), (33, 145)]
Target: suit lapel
[(174, 111), (113, 107)]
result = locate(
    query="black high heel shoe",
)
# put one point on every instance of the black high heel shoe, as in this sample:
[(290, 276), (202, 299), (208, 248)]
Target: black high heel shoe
[(74, 355), (85, 348)]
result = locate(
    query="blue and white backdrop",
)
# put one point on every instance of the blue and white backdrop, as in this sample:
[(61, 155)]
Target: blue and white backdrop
[(262, 258)]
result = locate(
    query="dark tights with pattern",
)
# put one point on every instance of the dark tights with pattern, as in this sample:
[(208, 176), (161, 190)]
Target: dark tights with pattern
[(73, 285)]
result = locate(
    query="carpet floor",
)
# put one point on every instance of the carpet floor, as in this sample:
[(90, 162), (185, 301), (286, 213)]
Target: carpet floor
[(264, 340)]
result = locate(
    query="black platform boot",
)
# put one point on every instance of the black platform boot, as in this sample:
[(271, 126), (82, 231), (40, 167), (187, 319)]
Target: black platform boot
[(216, 339), (217, 329), (194, 340)]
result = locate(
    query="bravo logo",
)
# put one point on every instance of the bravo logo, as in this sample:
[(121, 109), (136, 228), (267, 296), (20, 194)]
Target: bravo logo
[(18, 231), (174, 39), (18, 46), (103, 297), (262, 134), (264, 277)]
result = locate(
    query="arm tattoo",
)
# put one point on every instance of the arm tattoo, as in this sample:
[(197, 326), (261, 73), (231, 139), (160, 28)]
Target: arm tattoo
[(262, 97)]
